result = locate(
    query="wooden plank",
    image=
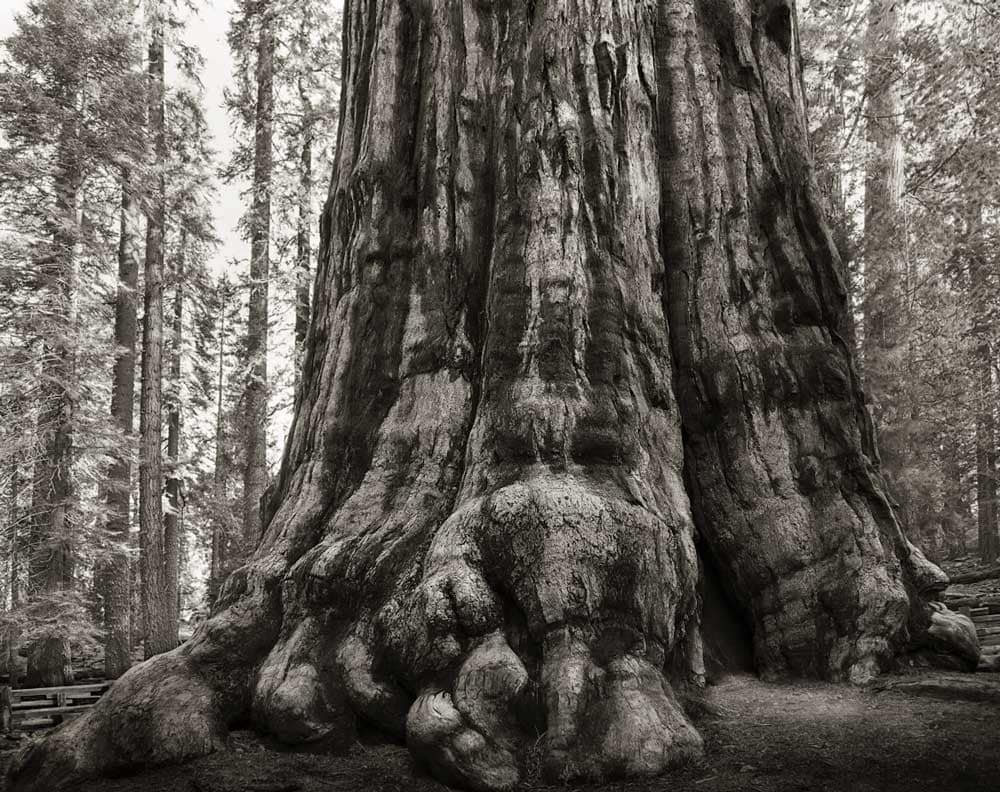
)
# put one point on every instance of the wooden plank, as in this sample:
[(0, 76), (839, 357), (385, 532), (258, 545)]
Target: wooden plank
[(54, 701), (53, 690), (49, 704), (27, 705), (49, 711), (46, 723), (957, 600), (976, 576), (42, 707)]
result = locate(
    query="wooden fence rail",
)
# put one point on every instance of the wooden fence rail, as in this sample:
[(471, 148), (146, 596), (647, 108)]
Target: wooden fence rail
[(32, 708)]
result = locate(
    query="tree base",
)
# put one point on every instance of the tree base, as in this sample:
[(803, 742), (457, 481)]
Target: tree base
[(49, 663), (575, 297)]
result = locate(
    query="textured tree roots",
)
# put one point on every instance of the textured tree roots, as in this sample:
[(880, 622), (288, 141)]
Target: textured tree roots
[(487, 658)]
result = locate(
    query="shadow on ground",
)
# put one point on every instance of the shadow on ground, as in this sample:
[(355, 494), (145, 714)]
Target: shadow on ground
[(913, 732)]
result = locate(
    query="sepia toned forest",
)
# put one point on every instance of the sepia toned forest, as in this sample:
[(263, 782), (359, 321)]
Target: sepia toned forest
[(561, 357)]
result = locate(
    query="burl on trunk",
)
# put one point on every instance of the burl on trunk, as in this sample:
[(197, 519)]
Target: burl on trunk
[(578, 321)]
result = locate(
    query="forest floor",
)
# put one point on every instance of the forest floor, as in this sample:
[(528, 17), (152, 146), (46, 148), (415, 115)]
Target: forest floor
[(924, 731)]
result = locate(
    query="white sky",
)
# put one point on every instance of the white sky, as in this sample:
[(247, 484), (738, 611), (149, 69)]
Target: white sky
[(208, 31)]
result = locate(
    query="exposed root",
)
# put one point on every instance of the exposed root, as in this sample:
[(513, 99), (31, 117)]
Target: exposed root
[(437, 733), (158, 713), (298, 697), (612, 716)]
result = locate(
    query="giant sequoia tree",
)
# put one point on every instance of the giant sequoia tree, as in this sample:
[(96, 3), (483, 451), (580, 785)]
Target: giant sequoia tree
[(577, 336)]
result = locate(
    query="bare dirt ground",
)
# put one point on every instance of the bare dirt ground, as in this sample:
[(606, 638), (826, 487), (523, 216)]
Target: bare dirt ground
[(919, 732)]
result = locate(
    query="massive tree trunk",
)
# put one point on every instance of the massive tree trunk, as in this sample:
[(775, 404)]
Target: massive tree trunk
[(115, 575), (160, 635), (577, 315), (255, 464)]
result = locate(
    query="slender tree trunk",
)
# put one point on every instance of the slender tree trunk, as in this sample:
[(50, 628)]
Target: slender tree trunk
[(981, 294), (115, 586), (305, 220), (137, 615), (575, 301), (986, 455), (884, 240), (14, 517), (255, 470), (160, 633), (51, 565), (11, 636), (173, 519), (220, 523), (303, 244)]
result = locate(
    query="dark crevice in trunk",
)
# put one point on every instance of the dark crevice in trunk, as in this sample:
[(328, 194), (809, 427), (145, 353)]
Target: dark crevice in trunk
[(726, 628)]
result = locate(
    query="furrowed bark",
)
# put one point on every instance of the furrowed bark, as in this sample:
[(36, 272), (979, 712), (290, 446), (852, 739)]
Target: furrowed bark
[(172, 521), (255, 465), (303, 255), (54, 496), (775, 429), (14, 523), (575, 305), (115, 585), (160, 634), (980, 290), (885, 236), (305, 217), (220, 475)]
